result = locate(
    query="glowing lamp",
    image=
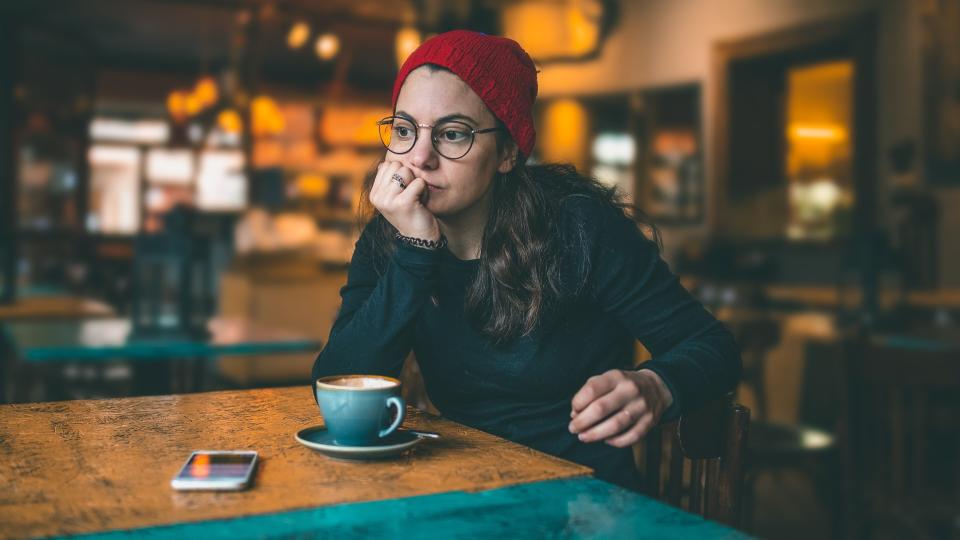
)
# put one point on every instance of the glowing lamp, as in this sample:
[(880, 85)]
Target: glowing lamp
[(206, 92), (176, 105), (229, 121), (327, 46), (298, 35), (408, 39)]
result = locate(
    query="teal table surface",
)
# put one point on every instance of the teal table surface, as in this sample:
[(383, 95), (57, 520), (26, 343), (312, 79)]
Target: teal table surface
[(571, 508), (110, 339), (944, 339)]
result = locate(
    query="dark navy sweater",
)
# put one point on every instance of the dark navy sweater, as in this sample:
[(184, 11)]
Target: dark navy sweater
[(522, 391)]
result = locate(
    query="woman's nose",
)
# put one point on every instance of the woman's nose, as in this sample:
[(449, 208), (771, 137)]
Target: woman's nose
[(423, 155)]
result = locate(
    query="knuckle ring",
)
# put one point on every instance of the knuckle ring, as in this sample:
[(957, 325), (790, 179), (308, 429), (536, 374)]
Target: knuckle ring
[(399, 180)]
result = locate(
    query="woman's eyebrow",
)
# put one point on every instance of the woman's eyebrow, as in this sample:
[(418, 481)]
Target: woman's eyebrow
[(404, 115), (457, 116), (442, 119)]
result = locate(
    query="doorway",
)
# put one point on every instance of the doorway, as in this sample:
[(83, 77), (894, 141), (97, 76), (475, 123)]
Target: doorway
[(795, 155)]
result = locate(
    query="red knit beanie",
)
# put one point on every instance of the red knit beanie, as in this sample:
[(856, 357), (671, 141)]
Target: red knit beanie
[(496, 68)]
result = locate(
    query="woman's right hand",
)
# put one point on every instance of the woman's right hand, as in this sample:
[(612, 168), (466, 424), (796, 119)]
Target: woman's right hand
[(403, 206)]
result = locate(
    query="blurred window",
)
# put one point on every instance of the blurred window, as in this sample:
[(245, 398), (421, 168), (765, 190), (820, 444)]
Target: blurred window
[(819, 149), (165, 166), (114, 189), (130, 131), (221, 184)]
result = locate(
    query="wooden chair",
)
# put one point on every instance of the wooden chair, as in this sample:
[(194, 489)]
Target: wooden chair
[(173, 297), (903, 437), (703, 469), (774, 446), (756, 335), (172, 269)]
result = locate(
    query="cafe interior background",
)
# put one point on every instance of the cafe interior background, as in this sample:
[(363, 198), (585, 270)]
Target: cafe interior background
[(166, 163)]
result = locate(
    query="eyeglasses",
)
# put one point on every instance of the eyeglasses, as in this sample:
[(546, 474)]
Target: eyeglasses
[(452, 139)]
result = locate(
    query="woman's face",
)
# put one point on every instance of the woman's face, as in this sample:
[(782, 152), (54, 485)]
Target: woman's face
[(430, 97)]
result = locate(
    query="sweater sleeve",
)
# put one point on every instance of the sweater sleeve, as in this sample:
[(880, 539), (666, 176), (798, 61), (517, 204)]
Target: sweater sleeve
[(373, 331), (692, 352)]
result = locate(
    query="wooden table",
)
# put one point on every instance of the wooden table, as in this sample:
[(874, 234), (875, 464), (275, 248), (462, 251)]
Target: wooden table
[(54, 307), (39, 343), (98, 466)]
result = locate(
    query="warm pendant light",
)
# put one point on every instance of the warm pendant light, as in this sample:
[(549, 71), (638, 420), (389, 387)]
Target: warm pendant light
[(176, 105), (327, 46), (298, 35), (408, 39), (266, 117), (206, 92), (229, 121)]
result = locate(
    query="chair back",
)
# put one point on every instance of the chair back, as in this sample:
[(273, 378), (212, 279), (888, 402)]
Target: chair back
[(756, 335), (173, 279), (696, 463), (903, 424)]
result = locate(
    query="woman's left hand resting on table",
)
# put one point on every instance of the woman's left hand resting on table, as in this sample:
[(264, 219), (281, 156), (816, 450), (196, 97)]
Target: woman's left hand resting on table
[(619, 407)]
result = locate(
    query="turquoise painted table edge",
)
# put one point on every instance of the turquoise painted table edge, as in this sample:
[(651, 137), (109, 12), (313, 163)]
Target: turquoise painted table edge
[(151, 351), (146, 349), (916, 343), (581, 507)]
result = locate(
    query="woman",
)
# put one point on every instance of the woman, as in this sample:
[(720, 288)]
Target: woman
[(519, 288)]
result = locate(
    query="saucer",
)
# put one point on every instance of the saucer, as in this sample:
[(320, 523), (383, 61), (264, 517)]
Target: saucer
[(318, 438)]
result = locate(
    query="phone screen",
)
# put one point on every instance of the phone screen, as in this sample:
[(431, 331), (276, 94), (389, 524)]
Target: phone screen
[(216, 467)]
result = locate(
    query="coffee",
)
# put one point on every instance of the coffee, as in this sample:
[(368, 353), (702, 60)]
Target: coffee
[(356, 408), (361, 382)]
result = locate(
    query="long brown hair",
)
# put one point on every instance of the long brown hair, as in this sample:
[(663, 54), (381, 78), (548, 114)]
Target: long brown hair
[(519, 279)]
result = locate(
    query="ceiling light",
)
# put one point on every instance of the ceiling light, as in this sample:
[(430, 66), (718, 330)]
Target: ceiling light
[(408, 39), (298, 35), (229, 121), (206, 92), (327, 46), (176, 105)]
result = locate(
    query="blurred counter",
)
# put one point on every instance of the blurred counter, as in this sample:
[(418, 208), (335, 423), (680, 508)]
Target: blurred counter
[(288, 291), (832, 297)]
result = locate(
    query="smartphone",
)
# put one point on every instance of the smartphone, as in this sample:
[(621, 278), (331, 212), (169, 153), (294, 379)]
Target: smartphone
[(216, 470)]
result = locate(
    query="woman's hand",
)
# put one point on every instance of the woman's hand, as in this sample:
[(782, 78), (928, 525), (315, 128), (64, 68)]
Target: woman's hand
[(619, 407), (402, 204)]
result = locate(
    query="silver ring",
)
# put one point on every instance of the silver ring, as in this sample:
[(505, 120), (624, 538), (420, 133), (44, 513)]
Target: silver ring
[(399, 180)]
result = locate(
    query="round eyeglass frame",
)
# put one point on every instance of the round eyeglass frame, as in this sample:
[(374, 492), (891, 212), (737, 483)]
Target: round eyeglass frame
[(433, 135)]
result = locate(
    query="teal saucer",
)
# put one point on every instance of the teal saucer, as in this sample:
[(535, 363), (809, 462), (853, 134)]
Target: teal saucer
[(318, 438)]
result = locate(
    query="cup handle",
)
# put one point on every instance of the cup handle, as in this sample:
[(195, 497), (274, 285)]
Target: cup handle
[(401, 412)]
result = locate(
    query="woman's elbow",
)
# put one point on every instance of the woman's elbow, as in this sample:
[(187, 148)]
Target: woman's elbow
[(730, 359), (325, 365), (734, 364)]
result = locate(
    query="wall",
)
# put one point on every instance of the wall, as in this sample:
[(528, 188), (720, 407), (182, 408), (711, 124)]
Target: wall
[(663, 42)]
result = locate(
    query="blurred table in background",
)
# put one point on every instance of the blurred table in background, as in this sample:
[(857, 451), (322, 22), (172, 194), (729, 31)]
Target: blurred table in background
[(38, 344), (785, 362), (802, 371), (105, 466), (54, 307), (923, 339)]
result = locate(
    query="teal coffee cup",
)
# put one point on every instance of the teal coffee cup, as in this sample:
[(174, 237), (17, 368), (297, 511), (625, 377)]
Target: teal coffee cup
[(357, 408)]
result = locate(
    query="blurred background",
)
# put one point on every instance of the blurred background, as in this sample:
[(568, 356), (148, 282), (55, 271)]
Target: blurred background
[(179, 183)]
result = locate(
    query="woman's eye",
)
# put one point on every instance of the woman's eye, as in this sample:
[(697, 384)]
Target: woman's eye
[(402, 131), (453, 135)]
